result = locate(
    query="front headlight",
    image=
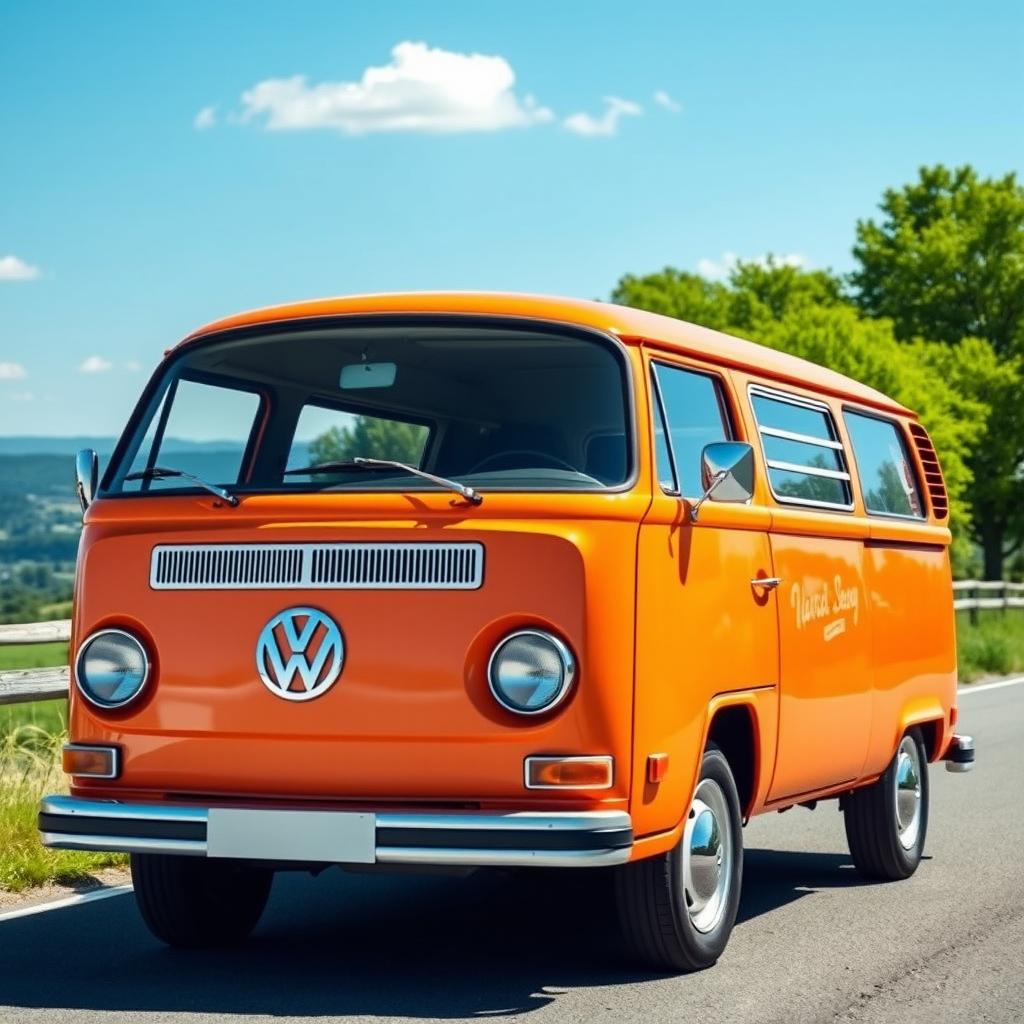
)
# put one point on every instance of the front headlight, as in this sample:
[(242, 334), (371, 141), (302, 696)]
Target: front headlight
[(111, 668), (531, 671)]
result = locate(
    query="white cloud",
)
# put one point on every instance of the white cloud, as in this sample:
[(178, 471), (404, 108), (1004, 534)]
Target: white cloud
[(422, 89), (21, 396), (14, 269), (663, 99), (133, 366), (206, 118), (722, 267), (608, 122), (12, 371), (95, 364), (716, 269)]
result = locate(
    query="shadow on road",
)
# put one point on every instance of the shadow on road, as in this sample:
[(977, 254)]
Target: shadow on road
[(774, 878), (349, 945)]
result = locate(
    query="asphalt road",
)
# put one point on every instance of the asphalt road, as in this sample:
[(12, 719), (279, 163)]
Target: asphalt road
[(812, 944)]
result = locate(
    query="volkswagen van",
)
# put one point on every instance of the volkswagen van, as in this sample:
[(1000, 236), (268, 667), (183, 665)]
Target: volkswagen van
[(473, 580)]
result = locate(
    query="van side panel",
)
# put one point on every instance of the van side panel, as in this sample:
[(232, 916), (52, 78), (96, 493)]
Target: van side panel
[(824, 641), (913, 650)]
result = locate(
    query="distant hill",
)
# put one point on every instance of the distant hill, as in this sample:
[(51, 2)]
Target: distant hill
[(41, 445), (44, 466), (39, 513)]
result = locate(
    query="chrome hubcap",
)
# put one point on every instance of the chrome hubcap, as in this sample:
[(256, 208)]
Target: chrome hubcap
[(707, 856), (908, 793)]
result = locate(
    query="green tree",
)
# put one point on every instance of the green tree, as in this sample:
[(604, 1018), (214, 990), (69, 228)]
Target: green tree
[(974, 370), (770, 290), (947, 259), (679, 294), (756, 293), (370, 437), (946, 262)]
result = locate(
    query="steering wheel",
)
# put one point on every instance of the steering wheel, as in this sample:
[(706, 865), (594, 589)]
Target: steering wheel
[(551, 461)]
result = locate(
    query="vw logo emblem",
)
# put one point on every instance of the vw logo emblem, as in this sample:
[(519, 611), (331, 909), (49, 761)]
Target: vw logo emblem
[(299, 653)]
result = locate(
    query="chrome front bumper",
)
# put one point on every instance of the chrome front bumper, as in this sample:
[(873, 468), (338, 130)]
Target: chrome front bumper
[(514, 839)]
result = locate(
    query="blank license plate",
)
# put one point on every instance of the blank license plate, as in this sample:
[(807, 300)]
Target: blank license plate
[(253, 834)]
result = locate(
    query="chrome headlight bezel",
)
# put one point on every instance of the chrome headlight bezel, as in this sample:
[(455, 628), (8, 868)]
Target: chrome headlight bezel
[(83, 687), (565, 657)]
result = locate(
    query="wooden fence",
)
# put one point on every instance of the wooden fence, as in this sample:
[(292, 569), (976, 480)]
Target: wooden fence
[(28, 684), (25, 684), (982, 594)]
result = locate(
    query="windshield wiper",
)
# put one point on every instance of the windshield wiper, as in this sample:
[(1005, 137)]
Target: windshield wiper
[(162, 473), (471, 495)]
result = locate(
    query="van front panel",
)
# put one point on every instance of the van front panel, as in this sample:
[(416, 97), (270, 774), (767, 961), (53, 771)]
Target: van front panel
[(411, 715)]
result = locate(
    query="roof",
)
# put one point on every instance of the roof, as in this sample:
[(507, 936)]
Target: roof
[(629, 324)]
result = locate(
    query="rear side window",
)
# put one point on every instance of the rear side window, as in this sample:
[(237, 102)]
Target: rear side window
[(692, 404), (803, 453), (883, 464)]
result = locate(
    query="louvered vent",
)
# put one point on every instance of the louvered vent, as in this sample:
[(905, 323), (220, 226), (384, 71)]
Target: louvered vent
[(932, 471), (397, 565), (378, 566)]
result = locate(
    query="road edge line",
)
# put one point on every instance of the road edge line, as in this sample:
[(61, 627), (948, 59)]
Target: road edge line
[(998, 685), (68, 901)]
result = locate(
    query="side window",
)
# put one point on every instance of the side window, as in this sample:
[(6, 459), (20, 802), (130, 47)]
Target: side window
[(805, 459), (203, 429), (884, 466), (692, 404), (323, 434)]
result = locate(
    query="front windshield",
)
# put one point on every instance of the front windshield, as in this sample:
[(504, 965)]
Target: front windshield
[(493, 408)]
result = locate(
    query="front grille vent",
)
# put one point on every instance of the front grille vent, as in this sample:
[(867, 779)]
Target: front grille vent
[(377, 566), (932, 471)]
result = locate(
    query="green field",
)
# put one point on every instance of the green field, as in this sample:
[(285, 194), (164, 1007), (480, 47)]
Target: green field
[(49, 715), (993, 647)]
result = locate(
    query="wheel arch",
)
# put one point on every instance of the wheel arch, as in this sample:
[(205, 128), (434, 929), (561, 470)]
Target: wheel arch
[(757, 729), (738, 728), (932, 719)]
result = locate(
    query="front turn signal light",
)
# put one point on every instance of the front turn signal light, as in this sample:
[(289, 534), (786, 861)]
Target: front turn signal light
[(569, 772), (91, 762)]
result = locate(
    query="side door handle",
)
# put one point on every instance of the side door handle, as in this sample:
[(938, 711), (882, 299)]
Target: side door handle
[(767, 582)]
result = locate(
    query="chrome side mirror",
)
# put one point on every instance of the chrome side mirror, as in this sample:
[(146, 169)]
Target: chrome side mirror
[(726, 474), (87, 475)]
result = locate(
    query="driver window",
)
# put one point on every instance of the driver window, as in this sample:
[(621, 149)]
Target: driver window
[(696, 417)]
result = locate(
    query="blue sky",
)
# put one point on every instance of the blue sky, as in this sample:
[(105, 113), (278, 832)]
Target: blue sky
[(124, 224)]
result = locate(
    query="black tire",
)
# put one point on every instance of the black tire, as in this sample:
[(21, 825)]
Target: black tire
[(880, 841), (652, 898), (192, 902)]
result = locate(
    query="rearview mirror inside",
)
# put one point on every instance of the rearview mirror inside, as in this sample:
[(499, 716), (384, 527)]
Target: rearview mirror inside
[(368, 375)]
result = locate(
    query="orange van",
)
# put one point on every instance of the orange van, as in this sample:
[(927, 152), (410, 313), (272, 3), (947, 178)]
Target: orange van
[(480, 580)]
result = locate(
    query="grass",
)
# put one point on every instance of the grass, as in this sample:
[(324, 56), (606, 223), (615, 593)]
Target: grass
[(33, 655), (993, 647), (30, 767), (31, 736)]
